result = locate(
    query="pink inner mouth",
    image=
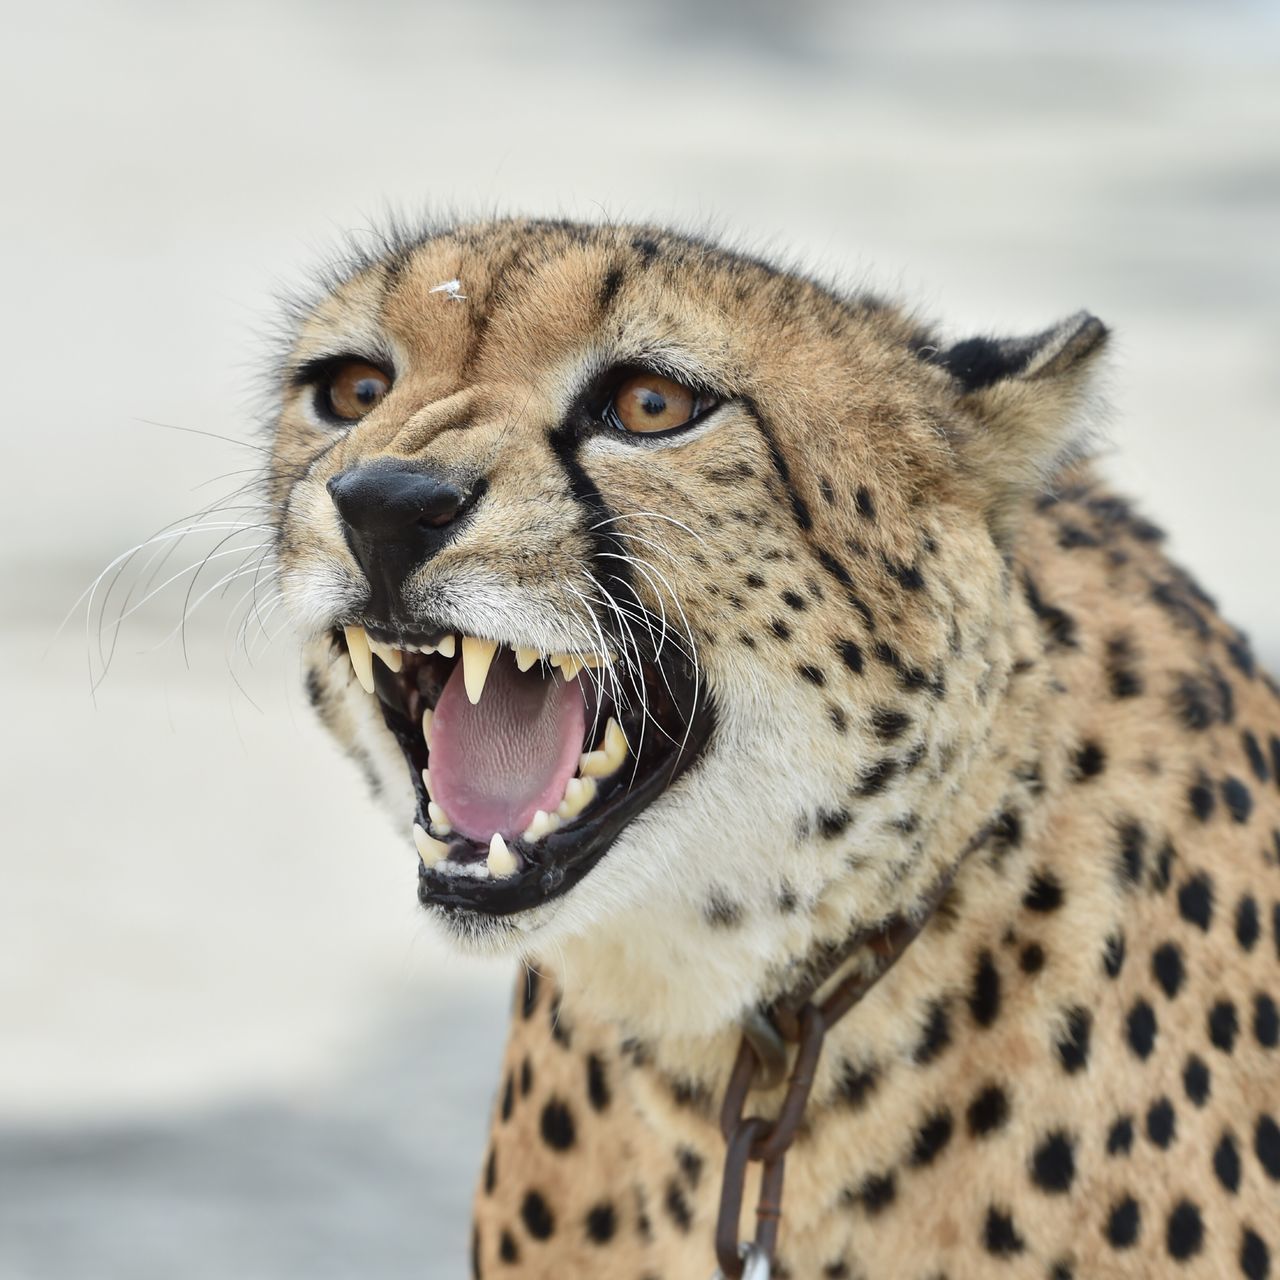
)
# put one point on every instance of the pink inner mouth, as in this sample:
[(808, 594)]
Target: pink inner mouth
[(494, 764)]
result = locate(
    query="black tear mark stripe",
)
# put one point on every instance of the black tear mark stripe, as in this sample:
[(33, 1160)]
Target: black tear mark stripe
[(799, 508)]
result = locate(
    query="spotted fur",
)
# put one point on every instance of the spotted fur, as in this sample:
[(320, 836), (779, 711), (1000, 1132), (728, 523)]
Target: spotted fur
[(923, 621)]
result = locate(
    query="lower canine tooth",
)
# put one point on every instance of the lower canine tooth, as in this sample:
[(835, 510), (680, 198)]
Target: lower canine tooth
[(361, 656), (578, 793), (430, 850), (501, 861), (477, 658), (390, 655)]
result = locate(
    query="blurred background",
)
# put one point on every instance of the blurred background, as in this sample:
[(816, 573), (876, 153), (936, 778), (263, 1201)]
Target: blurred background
[(228, 1045)]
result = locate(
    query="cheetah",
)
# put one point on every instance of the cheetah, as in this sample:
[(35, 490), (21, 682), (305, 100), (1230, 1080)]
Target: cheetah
[(694, 620)]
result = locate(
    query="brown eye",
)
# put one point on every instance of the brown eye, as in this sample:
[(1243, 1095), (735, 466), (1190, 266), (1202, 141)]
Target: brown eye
[(355, 388), (648, 402)]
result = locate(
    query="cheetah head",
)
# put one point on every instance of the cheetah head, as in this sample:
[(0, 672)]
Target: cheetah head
[(663, 596)]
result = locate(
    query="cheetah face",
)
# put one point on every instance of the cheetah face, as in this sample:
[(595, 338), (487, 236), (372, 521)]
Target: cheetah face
[(570, 518)]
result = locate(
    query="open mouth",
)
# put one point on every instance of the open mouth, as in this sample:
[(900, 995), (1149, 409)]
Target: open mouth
[(526, 765)]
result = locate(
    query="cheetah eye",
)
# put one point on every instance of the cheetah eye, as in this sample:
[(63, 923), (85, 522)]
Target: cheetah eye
[(647, 403), (352, 388)]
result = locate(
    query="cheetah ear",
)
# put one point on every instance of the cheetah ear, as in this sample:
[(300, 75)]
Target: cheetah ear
[(1029, 400)]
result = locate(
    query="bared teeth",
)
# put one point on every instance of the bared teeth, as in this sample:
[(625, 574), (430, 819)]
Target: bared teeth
[(477, 658), (607, 759), (439, 819), (390, 655), (526, 657), (501, 861), (446, 647), (427, 717), (541, 824), (430, 850), (361, 656), (578, 793)]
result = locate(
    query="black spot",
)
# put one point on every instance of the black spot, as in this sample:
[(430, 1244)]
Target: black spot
[(508, 1096), (1162, 1123), (530, 992), (1201, 798), (780, 629), (609, 287), (1195, 901), (1196, 1080), (677, 1206), (1123, 1223), (788, 899), (1053, 1164), (315, 690), (1073, 1045), (1226, 1163), (889, 724), (1274, 744), (1122, 675), (1090, 760), (507, 1248), (1071, 536), (1113, 955), (906, 575), (597, 1083), (1044, 894), (984, 999), (937, 1034), (1129, 858), (988, 1111), (1163, 869), (1266, 1021), (1193, 703), (931, 1138), (1000, 1236), (814, 675), (1185, 1234), (557, 1126), (1061, 1271), (837, 717), (1166, 964), (526, 1078), (855, 1083), (690, 1163), (1255, 1258), (877, 1193), (1266, 1145), (833, 822), (560, 1032), (491, 1172), (1058, 625), (1032, 958), (1253, 753), (850, 655), (1223, 1026), (1141, 1028), (1235, 795), (794, 600), (876, 778), (866, 507), (721, 912), (1120, 1137), (601, 1223), (1248, 927), (537, 1217)]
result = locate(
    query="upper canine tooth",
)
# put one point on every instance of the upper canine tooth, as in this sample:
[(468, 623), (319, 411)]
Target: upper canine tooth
[(477, 658), (389, 654), (361, 656), (429, 849), (525, 657), (445, 648), (501, 861)]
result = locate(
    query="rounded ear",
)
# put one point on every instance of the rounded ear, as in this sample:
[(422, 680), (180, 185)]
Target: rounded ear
[(1030, 400)]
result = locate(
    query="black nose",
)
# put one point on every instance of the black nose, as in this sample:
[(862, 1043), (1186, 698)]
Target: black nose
[(395, 516)]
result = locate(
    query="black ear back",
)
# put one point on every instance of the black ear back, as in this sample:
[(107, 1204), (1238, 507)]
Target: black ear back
[(980, 362)]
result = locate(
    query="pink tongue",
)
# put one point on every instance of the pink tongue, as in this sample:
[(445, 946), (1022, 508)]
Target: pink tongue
[(493, 765)]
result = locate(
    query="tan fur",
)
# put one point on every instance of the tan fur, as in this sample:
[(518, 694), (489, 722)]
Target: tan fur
[(1026, 657)]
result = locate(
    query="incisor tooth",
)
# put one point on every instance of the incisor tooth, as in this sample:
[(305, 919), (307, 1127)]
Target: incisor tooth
[(477, 658), (389, 654), (429, 849), (608, 758), (439, 819), (578, 793), (361, 656), (426, 780), (501, 861), (525, 657), (568, 663), (445, 648), (541, 824)]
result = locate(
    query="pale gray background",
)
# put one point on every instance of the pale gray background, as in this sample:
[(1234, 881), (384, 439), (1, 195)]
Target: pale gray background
[(229, 1047)]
